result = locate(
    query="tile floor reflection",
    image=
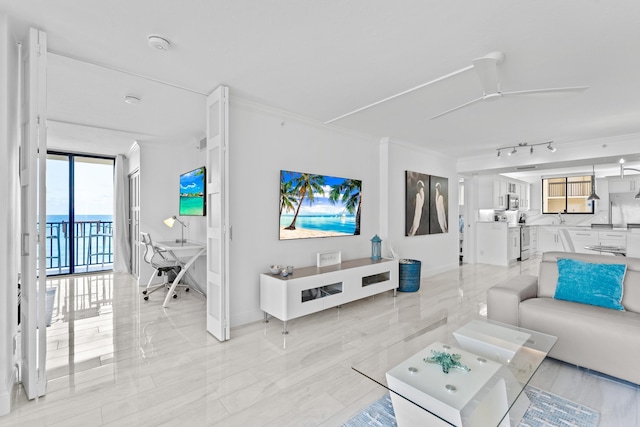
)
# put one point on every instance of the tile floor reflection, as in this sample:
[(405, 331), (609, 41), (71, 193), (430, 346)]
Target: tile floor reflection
[(116, 360)]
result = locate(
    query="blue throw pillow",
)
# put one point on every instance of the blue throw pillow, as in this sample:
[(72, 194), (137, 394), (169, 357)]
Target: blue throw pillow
[(588, 283)]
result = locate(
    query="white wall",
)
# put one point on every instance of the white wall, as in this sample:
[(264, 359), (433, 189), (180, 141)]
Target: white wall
[(437, 252), (263, 142), (161, 163), (9, 212)]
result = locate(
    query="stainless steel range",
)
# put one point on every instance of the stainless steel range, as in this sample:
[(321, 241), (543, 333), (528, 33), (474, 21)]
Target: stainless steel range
[(525, 241)]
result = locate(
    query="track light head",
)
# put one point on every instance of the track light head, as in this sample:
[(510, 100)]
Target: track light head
[(531, 150), (551, 148), (512, 152), (498, 153)]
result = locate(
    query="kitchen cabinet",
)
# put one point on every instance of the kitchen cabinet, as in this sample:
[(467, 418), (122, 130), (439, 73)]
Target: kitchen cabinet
[(533, 239), (524, 191), (497, 243), (626, 185), (513, 242), (499, 194), (575, 240), (613, 238), (633, 245), (519, 191), (549, 239), (582, 238), (501, 188)]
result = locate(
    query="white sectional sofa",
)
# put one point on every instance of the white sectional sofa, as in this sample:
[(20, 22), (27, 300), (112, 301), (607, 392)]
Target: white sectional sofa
[(602, 339)]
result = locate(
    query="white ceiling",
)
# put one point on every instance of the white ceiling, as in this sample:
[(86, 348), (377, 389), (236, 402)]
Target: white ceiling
[(322, 59)]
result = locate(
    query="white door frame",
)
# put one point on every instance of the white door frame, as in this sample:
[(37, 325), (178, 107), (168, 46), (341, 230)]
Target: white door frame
[(33, 160), (218, 230), (134, 221)]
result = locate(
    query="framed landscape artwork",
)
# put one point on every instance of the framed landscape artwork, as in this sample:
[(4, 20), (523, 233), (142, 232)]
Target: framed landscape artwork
[(426, 204), (192, 189), (313, 205)]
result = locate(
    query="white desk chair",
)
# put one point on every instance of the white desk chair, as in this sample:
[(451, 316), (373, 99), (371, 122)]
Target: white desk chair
[(161, 266)]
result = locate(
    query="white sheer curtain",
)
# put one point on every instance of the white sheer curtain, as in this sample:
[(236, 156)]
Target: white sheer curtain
[(121, 248)]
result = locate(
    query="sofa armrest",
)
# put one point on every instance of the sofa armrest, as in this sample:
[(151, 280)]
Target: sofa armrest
[(503, 299)]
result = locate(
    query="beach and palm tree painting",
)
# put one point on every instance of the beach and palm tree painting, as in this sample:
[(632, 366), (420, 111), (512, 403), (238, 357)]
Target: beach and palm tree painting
[(318, 205), (192, 185)]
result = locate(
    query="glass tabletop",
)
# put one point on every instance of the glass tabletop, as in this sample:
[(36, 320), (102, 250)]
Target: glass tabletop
[(489, 364), (616, 250)]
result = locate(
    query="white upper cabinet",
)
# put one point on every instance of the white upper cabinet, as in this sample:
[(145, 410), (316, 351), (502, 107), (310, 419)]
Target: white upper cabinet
[(499, 194), (626, 185)]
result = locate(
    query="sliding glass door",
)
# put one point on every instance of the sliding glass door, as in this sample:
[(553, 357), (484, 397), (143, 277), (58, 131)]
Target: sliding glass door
[(79, 229)]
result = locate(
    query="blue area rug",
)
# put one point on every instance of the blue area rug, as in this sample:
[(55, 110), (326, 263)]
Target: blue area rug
[(546, 410)]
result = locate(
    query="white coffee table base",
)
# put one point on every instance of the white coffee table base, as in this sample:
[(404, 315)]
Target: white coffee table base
[(479, 397)]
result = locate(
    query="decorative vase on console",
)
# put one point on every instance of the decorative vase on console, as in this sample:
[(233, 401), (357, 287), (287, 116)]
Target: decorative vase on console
[(376, 248)]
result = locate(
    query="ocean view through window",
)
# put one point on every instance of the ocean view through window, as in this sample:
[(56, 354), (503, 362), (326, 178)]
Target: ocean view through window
[(79, 229)]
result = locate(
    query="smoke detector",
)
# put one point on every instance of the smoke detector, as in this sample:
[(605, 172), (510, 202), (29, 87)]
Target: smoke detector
[(131, 99), (159, 43)]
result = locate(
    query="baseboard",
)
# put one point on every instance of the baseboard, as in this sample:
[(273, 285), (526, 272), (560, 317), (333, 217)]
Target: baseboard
[(437, 270), (246, 318), (5, 403)]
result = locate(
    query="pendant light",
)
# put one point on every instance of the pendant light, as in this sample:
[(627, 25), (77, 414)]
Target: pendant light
[(593, 195)]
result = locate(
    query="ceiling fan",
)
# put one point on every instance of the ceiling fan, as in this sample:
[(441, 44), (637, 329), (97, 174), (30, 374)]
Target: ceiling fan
[(487, 69)]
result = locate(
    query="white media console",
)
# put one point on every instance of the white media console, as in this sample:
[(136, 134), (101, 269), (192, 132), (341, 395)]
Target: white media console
[(312, 289)]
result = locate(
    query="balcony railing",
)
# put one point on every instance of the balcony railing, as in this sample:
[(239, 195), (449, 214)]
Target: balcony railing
[(92, 242)]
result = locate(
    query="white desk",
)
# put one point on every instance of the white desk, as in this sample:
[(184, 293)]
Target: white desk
[(185, 254)]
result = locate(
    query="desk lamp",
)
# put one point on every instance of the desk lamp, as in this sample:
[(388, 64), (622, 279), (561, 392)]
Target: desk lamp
[(169, 222)]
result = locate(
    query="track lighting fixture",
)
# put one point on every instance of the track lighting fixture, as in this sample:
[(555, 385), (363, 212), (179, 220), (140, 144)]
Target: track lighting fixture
[(524, 145)]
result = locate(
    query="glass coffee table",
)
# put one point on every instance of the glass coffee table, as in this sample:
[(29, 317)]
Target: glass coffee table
[(489, 365)]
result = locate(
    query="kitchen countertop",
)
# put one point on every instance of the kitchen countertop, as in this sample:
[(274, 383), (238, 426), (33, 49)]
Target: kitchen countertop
[(577, 226)]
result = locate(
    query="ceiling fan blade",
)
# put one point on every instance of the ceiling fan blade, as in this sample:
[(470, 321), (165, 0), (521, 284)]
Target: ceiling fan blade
[(466, 104), (487, 70), (548, 90)]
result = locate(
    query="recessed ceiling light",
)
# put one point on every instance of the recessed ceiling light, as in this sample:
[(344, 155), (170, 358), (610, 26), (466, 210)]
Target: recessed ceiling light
[(159, 43), (130, 99)]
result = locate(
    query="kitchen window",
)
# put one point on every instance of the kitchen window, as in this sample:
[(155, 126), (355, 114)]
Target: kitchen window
[(567, 195)]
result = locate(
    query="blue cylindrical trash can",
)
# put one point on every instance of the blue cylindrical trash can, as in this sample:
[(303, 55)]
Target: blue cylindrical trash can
[(409, 275)]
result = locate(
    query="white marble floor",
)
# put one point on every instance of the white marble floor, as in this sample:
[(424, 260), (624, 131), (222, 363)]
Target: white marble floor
[(116, 360)]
